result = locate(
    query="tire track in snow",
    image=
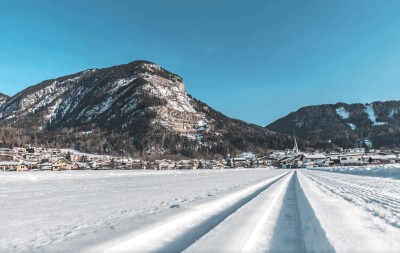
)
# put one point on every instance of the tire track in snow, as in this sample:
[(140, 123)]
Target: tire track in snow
[(178, 233)]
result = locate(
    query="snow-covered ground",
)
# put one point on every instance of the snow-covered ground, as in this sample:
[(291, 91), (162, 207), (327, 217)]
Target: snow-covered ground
[(243, 210), (388, 170), (69, 210)]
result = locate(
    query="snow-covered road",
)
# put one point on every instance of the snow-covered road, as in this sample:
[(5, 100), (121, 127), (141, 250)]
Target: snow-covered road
[(257, 210)]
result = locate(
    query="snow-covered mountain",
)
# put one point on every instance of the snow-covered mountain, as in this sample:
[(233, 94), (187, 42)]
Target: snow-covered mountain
[(104, 96), (345, 125), (3, 98), (139, 105)]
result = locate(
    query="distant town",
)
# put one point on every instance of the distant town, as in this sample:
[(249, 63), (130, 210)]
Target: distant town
[(51, 159)]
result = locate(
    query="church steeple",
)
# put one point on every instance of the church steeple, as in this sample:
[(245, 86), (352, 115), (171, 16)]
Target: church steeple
[(295, 148)]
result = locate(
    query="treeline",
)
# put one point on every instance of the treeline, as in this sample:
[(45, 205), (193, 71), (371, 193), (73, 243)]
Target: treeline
[(324, 128), (148, 140)]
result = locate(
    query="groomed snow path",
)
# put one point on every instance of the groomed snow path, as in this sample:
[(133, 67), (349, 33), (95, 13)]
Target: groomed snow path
[(301, 211), (227, 211)]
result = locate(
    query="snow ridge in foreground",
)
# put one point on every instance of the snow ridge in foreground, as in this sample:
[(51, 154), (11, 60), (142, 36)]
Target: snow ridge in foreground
[(178, 233)]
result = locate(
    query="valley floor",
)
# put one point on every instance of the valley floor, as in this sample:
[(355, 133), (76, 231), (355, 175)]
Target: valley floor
[(242, 210)]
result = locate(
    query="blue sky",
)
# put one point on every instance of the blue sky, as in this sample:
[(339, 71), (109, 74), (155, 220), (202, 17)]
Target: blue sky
[(253, 60)]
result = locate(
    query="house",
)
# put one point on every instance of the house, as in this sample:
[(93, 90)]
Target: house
[(8, 165), (287, 162), (217, 165), (382, 159), (75, 166), (163, 165), (54, 151), (267, 161), (62, 164), (297, 161), (80, 166), (106, 165), (137, 164), (45, 166), (313, 160), (333, 158), (6, 157), (185, 165), (22, 167), (94, 165), (6, 151), (351, 159), (75, 158), (19, 150), (241, 162), (34, 157)]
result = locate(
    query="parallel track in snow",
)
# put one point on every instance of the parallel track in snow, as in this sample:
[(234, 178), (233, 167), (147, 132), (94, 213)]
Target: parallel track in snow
[(214, 211), (178, 233), (378, 196), (265, 217)]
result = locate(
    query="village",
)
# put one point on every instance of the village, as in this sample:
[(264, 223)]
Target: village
[(51, 159)]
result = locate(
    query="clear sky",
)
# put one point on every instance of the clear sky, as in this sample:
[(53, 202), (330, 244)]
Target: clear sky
[(253, 60)]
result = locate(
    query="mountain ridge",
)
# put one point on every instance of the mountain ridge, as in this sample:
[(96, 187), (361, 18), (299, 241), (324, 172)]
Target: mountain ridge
[(3, 98), (344, 125), (135, 108)]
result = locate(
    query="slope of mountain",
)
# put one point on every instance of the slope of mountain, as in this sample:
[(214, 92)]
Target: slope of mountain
[(3, 98), (345, 125), (136, 107)]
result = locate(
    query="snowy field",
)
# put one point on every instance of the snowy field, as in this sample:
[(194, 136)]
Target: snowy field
[(242, 210), (388, 170)]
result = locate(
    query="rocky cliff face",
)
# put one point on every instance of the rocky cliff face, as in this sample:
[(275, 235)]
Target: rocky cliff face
[(345, 125), (112, 98), (136, 107)]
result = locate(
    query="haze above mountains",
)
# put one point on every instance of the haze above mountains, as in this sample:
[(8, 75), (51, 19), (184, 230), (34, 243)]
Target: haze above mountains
[(142, 109)]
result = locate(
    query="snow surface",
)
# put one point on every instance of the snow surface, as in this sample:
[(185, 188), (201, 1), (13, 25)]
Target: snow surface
[(50, 211), (299, 123), (369, 109), (352, 126), (359, 214), (342, 112), (393, 112), (390, 170), (253, 210)]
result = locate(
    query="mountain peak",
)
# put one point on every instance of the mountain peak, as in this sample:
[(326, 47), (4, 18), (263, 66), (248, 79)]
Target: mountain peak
[(344, 124), (132, 107)]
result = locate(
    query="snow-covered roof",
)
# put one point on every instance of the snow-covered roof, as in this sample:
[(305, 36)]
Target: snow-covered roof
[(383, 157), (315, 156), (9, 163), (352, 154)]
